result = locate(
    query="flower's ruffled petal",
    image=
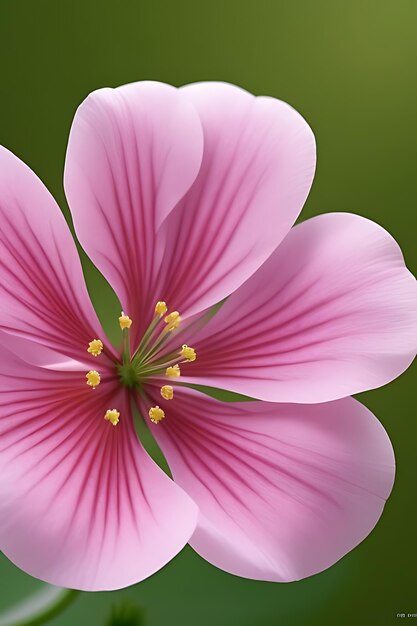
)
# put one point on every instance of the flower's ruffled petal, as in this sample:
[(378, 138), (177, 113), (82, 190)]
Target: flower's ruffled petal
[(257, 169), (82, 505), (42, 290), (333, 312), (133, 152), (283, 490)]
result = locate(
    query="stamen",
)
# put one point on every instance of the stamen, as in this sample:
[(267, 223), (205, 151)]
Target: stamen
[(93, 378), (156, 414), (172, 320), (161, 308), (95, 347), (124, 321), (167, 392), (188, 353), (112, 415), (144, 348), (173, 372), (149, 359)]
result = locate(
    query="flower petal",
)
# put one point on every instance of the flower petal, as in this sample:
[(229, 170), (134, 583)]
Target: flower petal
[(133, 152), (333, 312), (284, 491), (257, 170), (36, 354), (81, 503), (42, 290)]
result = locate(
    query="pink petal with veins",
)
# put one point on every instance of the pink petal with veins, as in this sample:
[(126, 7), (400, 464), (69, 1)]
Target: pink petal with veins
[(333, 312), (133, 152), (283, 490), (42, 289), (82, 505), (257, 170)]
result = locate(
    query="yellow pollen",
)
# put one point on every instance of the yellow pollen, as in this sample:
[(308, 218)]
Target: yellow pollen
[(167, 392), (156, 414), (95, 347), (124, 321), (112, 415), (172, 320), (171, 317), (93, 378), (173, 372), (173, 325), (188, 353), (161, 308)]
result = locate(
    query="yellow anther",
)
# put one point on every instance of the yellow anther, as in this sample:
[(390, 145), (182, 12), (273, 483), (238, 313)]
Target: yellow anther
[(124, 321), (188, 353), (173, 325), (156, 414), (167, 392), (161, 308), (112, 415), (172, 320), (93, 378), (173, 372), (171, 317), (95, 347)]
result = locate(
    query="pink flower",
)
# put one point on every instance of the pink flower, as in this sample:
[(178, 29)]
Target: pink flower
[(187, 196)]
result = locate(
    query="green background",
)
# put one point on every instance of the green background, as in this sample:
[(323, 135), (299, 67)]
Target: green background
[(349, 68)]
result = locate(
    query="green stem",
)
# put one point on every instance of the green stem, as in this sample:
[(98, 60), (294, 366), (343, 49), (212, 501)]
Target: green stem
[(39, 608), (126, 346), (163, 336), (142, 372), (144, 343), (167, 357)]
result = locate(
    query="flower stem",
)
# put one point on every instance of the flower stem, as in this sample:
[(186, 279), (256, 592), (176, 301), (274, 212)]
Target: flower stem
[(144, 343), (40, 607), (126, 346), (149, 370)]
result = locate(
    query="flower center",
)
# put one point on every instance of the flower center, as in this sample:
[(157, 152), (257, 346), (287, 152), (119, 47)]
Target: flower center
[(149, 360)]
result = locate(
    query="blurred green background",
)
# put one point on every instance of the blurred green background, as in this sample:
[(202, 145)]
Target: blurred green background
[(349, 68)]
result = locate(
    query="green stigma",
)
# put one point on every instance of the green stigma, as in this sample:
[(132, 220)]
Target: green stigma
[(127, 374)]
